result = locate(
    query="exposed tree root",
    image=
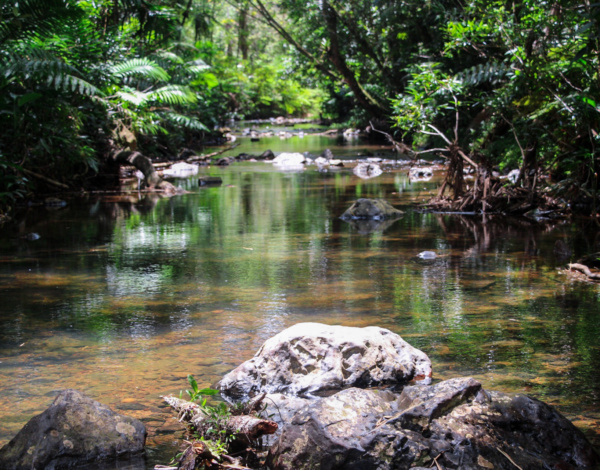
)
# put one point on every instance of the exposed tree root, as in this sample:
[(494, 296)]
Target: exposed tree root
[(494, 196)]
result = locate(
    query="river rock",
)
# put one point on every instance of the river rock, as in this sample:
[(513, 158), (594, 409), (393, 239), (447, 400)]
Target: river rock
[(266, 155), (420, 174), (372, 209), (289, 159), (210, 181), (427, 255), (74, 430), (454, 424), (367, 226), (181, 170), (367, 170), (327, 154), (312, 357)]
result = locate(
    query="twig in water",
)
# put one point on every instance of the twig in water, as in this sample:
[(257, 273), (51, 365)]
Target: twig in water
[(436, 462), (508, 457)]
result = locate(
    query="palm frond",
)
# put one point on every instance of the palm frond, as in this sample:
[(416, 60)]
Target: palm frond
[(141, 66), (35, 17), (41, 67), (188, 122), (135, 97), (173, 94), (196, 66), (170, 57)]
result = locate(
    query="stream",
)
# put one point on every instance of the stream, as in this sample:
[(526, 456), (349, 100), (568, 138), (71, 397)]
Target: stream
[(123, 296)]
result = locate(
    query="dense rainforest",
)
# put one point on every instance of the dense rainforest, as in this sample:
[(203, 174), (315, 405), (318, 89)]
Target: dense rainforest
[(491, 85)]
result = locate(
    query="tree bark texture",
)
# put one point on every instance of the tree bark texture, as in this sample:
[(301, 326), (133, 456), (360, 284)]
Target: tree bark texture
[(144, 164)]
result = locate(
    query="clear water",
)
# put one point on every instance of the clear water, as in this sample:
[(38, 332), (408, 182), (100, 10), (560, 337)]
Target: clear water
[(123, 296)]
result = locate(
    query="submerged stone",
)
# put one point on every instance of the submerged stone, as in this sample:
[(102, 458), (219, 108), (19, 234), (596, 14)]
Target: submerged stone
[(209, 180), (367, 170), (372, 209)]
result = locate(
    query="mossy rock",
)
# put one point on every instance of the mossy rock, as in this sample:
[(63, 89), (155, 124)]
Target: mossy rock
[(371, 209)]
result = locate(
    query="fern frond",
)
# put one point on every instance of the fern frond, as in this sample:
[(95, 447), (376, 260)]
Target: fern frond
[(188, 122), (43, 68), (491, 72), (76, 84), (132, 96), (141, 66), (170, 57), (173, 94), (197, 64), (35, 17)]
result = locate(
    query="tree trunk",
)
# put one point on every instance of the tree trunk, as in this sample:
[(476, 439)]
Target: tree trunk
[(243, 31), (365, 100)]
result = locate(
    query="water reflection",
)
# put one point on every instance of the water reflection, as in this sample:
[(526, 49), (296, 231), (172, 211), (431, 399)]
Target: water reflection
[(122, 298)]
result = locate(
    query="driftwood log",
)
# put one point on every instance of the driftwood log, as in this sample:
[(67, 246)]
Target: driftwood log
[(585, 270), (144, 164), (244, 427), (195, 158)]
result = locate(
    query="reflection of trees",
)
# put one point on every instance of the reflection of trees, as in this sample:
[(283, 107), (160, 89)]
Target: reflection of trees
[(266, 250)]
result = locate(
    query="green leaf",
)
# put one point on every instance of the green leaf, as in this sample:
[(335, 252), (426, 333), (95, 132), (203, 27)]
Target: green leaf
[(192, 382), (210, 80), (28, 98)]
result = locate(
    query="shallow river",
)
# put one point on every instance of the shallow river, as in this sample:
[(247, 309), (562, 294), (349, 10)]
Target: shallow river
[(123, 296)]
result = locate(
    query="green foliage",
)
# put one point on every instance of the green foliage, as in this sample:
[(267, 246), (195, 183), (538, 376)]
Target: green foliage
[(214, 431), (12, 185), (430, 93), (139, 66), (195, 393), (523, 81)]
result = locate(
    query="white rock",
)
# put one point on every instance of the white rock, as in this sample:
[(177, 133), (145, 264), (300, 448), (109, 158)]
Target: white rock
[(289, 159), (181, 170), (367, 170), (310, 357)]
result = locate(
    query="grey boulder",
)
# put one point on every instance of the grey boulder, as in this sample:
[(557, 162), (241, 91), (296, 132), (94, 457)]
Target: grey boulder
[(454, 424), (75, 430)]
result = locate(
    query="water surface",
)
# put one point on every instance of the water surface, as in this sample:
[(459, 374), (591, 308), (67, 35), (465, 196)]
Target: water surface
[(123, 296)]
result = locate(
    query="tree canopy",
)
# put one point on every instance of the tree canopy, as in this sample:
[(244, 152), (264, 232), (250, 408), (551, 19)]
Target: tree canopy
[(509, 85)]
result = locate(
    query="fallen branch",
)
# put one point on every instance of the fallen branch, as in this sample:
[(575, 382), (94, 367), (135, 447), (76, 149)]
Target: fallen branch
[(585, 270), (144, 164), (509, 458), (196, 453), (45, 178), (398, 146), (250, 427), (196, 158)]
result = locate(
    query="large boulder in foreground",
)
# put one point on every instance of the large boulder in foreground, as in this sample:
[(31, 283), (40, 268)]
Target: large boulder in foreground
[(452, 425), (73, 431), (312, 357), (371, 209)]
